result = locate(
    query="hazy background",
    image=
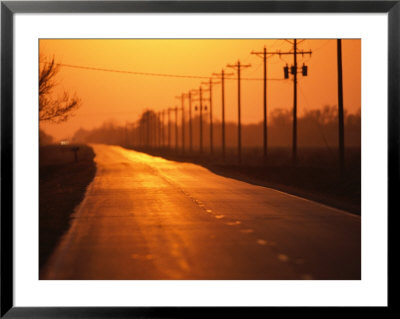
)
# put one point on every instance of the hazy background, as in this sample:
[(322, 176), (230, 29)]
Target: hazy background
[(114, 100)]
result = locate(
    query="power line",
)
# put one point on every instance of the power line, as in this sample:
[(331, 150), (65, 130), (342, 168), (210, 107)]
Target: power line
[(185, 76)]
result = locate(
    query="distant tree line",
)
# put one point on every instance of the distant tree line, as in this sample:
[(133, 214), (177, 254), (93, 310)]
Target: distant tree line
[(316, 128), (44, 138)]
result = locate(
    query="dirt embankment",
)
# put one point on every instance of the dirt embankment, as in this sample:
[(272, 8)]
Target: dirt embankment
[(63, 180)]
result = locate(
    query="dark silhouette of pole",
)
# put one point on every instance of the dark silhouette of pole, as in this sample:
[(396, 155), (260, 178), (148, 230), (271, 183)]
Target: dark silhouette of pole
[(201, 121), (211, 120), (126, 133), (222, 78), (239, 118), (140, 133), (153, 131), (238, 67), (169, 128), (183, 126), (182, 98), (155, 128), (294, 146), (162, 128), (148, 129), (159, 128), (135, 142), (176, 129), (223, 111), (340, 104), (144, 133), (210, 84), (294, 71), (190, 122), (200, 92), (265, 127)]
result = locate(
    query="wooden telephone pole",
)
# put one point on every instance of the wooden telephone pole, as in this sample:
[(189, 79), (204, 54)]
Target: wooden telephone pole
[(238, 67), (222, 79), (294, 70), (263, 54), (340, 104), (210, 84)]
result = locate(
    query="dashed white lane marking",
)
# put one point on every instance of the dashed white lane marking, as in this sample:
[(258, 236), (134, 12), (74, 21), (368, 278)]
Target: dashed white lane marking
[(234, 223), (283, 257), (261, 242)]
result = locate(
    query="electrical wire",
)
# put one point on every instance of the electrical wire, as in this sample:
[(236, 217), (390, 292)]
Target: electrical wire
[(185, 76)]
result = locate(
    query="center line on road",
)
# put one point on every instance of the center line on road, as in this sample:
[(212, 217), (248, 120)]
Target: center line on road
[(261, 242), (283, 257), (234, 223), (246, 231)]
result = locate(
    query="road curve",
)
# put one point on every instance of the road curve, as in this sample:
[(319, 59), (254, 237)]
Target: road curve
[(144, 217)]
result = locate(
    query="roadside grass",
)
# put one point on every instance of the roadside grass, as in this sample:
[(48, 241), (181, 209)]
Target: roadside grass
[(62, 185), (316, 176)]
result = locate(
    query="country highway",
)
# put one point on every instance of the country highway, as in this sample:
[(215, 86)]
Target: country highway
[(144, 217)]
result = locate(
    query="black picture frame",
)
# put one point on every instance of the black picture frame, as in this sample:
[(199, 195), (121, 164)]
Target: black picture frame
[(9, 8)]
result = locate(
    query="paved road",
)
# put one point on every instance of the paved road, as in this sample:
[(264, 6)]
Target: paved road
[(145, 217)]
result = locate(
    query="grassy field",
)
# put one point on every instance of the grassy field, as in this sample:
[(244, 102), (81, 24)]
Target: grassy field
[(62, 185), (316, 175)]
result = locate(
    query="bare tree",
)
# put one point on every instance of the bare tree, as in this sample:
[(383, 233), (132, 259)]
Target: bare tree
[(50, 108)]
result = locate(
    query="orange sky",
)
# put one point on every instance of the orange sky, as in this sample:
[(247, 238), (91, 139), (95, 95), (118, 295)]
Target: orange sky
[(122, 97)]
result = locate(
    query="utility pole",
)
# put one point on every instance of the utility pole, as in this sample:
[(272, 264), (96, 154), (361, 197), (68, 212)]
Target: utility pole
[(176, 129), (222, 77), (140, 133), (294, 70), (340, 104), (126, 133), (238, 67), (182, 97), (134, 135), (183, 125), (200, 92), (294, 146), (159, 128), (142, 124), (201, 121), (210, 84), (148, 129), (155, 119), (153, 131), (169, 128), (162, 143), (265, 127), (190, 122)]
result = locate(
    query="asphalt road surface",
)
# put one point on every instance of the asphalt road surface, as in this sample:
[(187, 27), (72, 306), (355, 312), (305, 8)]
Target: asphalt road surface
[(144, 217)]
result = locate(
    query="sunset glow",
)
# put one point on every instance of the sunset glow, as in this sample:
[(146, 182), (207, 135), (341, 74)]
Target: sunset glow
[(121, 97)]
